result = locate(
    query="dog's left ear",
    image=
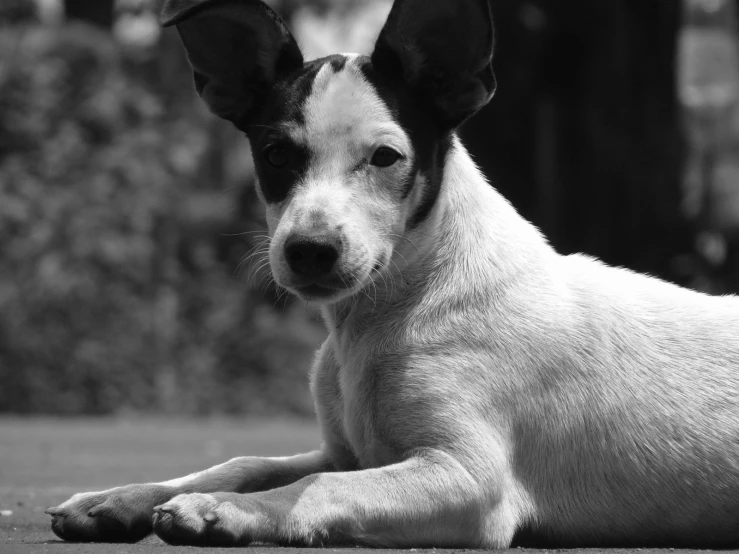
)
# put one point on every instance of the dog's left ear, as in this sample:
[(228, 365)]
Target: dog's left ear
[(443, 49), (237, 50)]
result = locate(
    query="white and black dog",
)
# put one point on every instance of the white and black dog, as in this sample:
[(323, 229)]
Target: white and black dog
[(476, 387)]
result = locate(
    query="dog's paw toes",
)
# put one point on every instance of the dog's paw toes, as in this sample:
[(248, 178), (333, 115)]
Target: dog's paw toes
[(116, 516), (70, 524), (194, 519), (116, 527), (180, 524), (99, 528), (67, 531), (176, 532)]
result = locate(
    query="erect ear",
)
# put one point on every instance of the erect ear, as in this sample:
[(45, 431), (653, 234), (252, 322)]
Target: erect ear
[(444, 51), (237, 49)]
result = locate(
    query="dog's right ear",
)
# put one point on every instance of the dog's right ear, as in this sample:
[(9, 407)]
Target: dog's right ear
[(237, 49), (444, 50)]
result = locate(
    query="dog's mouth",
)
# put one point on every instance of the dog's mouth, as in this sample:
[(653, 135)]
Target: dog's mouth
[(324, 290), (318, 292), (335, 287)]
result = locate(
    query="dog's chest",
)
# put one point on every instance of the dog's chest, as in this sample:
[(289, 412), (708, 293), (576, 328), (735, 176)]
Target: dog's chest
[(361, 383)]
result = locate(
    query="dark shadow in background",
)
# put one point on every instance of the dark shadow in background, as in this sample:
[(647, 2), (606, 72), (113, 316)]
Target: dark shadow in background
[(584, 136)]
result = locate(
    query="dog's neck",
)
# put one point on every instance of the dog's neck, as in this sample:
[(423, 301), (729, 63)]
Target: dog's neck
[(472, 234)]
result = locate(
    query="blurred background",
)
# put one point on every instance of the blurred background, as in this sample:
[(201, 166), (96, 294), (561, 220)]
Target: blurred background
[(131, 270)]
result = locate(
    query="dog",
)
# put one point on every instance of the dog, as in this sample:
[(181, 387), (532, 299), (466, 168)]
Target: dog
[(476, 387)]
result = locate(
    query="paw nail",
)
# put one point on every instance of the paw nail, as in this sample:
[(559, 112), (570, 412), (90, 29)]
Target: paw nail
[(56, 512), (97, 511)]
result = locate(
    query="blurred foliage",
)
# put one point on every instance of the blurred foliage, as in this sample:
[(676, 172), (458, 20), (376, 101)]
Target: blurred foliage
[(13, 11), (100, 311), (585, 137), (125, 210)]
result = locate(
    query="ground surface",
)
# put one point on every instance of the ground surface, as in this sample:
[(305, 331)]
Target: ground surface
[(43, 462)]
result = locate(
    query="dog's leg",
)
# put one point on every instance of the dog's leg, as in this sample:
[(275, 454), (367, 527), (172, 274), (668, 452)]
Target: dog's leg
[(427, 500), (124, 514)]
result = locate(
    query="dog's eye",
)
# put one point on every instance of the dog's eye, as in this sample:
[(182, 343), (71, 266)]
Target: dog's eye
[(277, 156), (385, 157)]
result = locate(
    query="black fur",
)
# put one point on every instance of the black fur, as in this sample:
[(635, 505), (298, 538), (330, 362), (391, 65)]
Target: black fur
[(444, 50), (338, 62), (284, 105), (237, 49), (430, 138)]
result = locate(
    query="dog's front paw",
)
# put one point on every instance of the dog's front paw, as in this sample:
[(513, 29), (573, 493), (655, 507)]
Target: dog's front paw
[(122, 514), (218, 519)]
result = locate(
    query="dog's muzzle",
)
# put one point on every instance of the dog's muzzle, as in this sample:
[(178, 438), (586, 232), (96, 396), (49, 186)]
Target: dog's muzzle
[(314, 261)]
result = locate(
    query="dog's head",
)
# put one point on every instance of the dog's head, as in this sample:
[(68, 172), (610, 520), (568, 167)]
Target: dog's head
[(349, 149)]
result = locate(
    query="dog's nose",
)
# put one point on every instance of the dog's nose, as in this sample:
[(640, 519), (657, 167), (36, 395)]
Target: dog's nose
[(312, 256)]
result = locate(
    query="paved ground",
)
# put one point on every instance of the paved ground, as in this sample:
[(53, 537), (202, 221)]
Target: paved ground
[(43, 462)]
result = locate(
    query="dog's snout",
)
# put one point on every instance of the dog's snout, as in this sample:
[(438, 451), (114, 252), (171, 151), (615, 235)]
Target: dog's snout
[(312, 256)]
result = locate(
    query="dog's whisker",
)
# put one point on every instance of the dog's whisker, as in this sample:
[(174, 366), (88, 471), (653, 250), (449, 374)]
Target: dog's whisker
[(254, 268), (282, 294), (262, 126), (262, 247), (258, 274), (257, 233), (254, 253), (259, 250)]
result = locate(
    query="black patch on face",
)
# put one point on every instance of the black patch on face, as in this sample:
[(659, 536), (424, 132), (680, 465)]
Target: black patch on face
[(430, 139), (338, 62), (284, 105), (277, 183)]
